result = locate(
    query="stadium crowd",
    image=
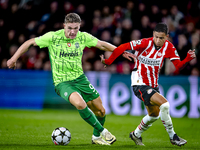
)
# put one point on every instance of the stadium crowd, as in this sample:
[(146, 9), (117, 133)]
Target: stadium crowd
[(117, 23)]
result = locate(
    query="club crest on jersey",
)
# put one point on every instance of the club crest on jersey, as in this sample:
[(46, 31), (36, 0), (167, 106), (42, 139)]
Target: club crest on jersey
[(69, 44), (149, 91), (77, 45), (159, 54)]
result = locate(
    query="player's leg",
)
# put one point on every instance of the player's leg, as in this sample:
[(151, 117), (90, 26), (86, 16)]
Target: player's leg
[(76, 99), (163, 105), (144, 93), (98, 109), (69, 92), (148, 120)]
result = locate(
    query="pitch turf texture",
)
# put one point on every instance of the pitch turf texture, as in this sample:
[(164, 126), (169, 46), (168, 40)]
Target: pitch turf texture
[(29, 129)]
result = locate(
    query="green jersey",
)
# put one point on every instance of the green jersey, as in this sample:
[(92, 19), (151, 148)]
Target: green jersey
[(65, 54)]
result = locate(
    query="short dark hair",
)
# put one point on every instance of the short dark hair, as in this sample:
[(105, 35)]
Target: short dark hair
[(72, 18), (161, 27)]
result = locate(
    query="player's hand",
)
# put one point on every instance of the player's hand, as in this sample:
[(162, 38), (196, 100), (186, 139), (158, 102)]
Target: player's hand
[(192, 53), (11, 64), (129, 56), (103, 60)]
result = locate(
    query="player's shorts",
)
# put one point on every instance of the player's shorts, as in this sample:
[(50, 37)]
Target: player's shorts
[(144, 92), (80, 85)]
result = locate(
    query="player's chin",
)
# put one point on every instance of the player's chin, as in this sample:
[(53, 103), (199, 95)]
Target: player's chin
[(72, 36)]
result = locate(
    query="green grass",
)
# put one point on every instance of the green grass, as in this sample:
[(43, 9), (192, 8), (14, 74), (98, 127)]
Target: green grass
[(21, 129)]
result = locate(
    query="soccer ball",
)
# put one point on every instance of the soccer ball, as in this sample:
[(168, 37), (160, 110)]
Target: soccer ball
[(61, 136)]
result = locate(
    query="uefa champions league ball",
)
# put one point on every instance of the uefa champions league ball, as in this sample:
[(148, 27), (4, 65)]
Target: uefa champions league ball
[(61, 136)]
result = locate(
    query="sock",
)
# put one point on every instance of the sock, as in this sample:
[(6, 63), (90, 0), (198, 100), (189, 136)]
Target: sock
[(90, 118), (146, 123), (101, 120), (166, 119)]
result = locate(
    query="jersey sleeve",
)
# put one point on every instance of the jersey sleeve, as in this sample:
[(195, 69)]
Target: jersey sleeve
[(172, 53), (138, 45), (44, 40), (91, 41)]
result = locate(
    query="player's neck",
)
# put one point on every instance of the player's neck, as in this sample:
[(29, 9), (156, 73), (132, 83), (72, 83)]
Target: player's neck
[(156, 47)]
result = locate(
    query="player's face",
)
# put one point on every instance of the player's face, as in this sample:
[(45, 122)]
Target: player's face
[(159, 38), (71, 29)]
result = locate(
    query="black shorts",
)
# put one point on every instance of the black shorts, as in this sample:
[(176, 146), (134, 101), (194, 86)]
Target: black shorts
[(144, 92)]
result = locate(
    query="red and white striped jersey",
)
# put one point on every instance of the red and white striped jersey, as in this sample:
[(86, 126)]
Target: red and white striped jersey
[(149, 61)]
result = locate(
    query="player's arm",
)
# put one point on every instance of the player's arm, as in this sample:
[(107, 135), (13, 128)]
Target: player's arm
[(105, 46), (116, 53), (109, 47), (181, 64), (11, 63)]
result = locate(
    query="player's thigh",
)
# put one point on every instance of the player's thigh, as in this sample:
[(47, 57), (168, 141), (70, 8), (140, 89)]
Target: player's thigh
[(71, 94), (97, 107), (76, 99), (157, 99), (153, 110)]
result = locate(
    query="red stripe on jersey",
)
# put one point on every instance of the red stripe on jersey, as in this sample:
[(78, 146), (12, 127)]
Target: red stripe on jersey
[(143, 73), (156, 75), (151, 76)]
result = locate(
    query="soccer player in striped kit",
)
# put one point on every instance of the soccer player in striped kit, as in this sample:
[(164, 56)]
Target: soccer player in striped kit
[(150, 54)]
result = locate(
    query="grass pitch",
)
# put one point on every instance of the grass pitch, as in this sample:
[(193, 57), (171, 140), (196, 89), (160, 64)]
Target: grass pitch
[(29, 129)]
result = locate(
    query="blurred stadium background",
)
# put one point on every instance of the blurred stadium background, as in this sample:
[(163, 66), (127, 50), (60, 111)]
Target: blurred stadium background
[(30, 86)]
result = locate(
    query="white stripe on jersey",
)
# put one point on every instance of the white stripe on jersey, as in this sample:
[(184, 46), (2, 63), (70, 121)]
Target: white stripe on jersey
[(163, 54), (139, 67), (148, 72)]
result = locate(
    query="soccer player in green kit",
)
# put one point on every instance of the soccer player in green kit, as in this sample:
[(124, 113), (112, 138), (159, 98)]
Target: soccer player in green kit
[(65, 51)]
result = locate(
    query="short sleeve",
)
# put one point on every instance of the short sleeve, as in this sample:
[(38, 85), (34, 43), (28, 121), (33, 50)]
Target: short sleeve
[(91, 41), (44, 40)]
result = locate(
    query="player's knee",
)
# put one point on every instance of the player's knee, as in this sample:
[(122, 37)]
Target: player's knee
[(154, 118), (80, 105), (164, 107), (154, 114), (101, 113)]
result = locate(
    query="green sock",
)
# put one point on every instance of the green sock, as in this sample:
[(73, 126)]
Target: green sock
[(90, 118), (101, 120)]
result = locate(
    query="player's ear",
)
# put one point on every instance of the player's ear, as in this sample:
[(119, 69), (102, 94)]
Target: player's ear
[(153, 33), (64, 25)]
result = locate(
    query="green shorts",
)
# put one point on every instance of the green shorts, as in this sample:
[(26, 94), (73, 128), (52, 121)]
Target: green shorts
[(80, 85)]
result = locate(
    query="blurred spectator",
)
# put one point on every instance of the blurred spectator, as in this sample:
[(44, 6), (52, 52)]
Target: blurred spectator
[(117, 40), (126, 30), (135, 35), (155, 15), (129, 10), (175, 16), (182, 48), (68, 7), (47, 66), (32, 53), (145, 28)]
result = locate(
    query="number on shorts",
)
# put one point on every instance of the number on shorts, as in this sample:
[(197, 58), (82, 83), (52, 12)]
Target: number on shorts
[(91, 87)]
